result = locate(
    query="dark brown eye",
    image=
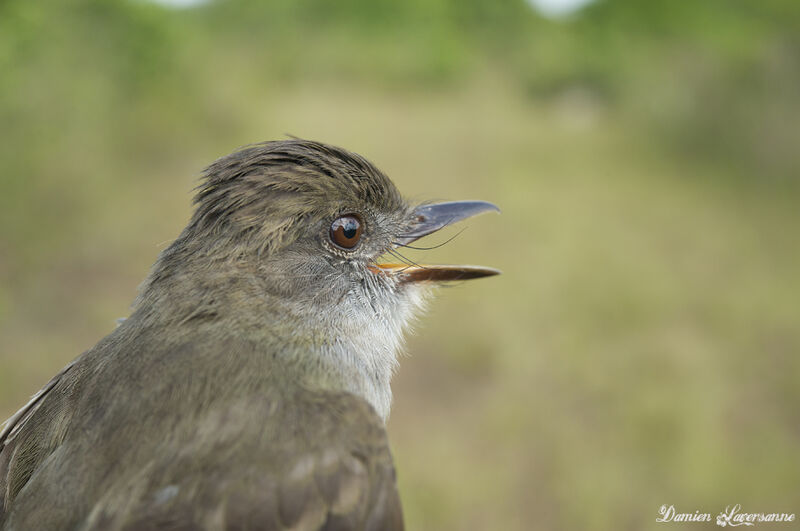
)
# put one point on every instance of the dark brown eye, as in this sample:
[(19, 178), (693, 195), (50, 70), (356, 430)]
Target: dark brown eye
[(346, 231)]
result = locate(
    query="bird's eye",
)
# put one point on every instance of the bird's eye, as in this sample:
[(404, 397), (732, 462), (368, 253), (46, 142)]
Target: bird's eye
[(346, 231)]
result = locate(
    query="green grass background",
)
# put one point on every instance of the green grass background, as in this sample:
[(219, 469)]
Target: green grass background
[(643, 344)]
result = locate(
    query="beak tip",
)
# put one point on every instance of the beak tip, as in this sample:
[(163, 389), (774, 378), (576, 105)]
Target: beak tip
[(487, 272)]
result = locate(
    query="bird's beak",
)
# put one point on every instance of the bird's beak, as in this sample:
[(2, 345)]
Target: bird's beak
[(428, 219)]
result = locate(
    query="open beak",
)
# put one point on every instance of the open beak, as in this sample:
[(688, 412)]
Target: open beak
[(427, 220)]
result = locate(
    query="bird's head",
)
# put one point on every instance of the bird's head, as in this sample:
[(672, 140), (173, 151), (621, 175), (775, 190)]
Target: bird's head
[(303, 229)]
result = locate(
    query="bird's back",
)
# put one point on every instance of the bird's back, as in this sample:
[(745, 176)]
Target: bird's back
[(219, 436)]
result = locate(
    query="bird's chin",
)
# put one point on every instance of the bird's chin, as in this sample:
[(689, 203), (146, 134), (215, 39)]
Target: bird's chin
[(407, 274)]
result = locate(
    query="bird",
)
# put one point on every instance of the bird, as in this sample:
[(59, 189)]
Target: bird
[(250, 385)]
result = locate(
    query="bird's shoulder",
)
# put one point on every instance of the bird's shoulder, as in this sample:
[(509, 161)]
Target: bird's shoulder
[(320, 461), (258, 452)]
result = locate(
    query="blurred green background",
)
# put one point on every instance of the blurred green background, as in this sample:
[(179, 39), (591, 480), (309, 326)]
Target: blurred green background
[(643, 345)]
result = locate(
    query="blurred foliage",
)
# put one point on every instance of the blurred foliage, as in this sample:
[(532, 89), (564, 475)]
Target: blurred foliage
[(716, 79), (642, 345)]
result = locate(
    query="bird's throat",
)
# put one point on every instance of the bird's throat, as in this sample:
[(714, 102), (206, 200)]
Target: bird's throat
[(359, 354)]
